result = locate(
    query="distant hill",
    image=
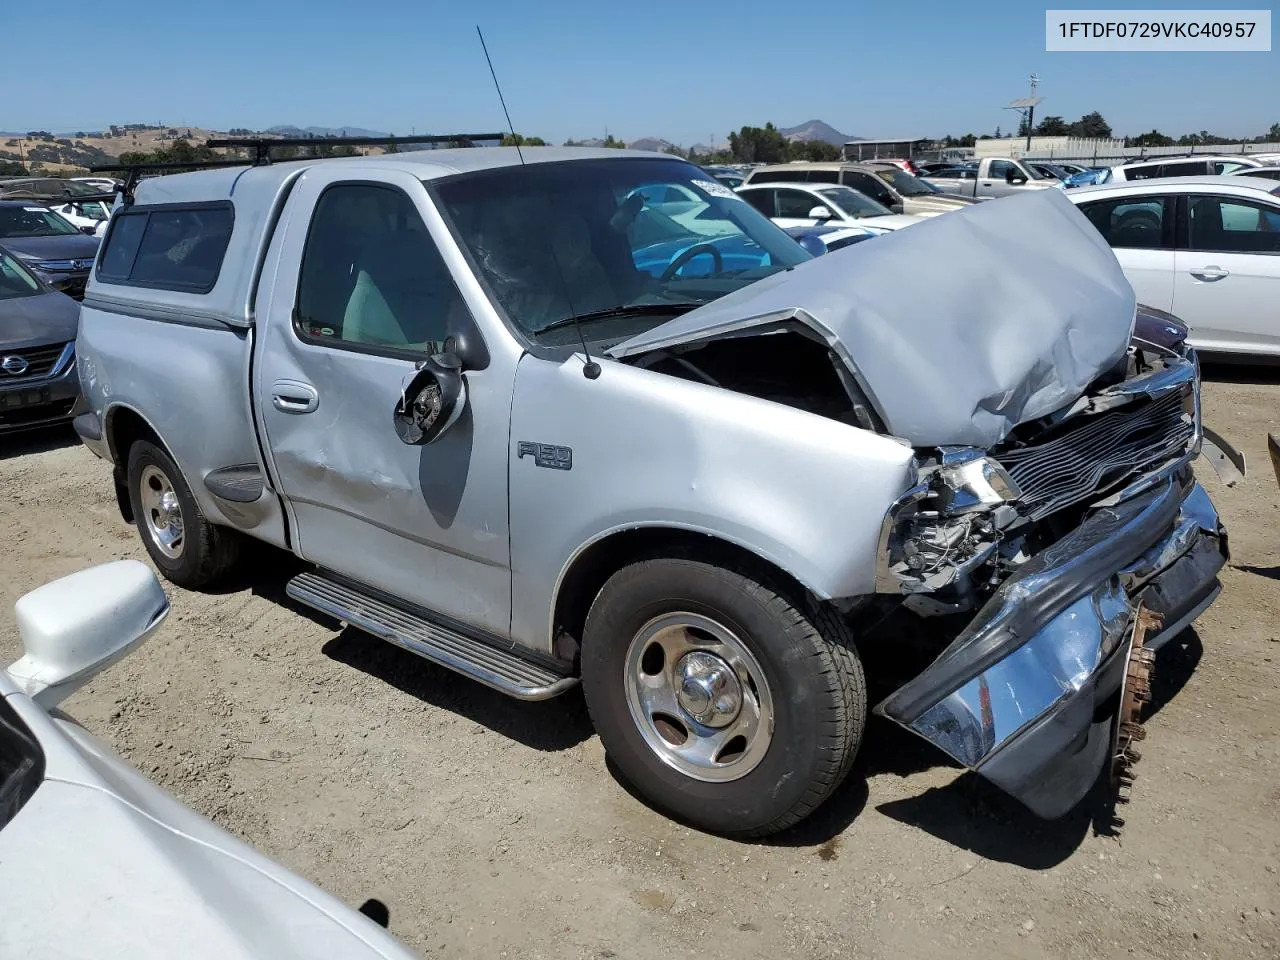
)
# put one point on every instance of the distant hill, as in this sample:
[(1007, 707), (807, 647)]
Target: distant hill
[(291, 132), (650, 143), (817, 130)]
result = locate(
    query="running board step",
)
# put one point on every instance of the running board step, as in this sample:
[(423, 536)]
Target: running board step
[(502, 669)]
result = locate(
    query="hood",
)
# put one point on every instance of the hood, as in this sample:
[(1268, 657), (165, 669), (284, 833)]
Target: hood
[(1158, 327), (958, 329), (102, 862), (935, 203), (894, 221), (47, 317), (68, 246)]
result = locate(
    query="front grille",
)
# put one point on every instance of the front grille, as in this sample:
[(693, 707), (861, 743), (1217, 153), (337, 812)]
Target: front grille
[(1096, 453), (40, 362)]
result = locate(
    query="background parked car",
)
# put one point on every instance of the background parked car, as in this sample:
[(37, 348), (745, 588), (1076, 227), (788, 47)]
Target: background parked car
[(96, 860), (801, 205), (70, 198), (1165, 167), (1204, 248), (895, 189), (820, 240), (1267, 173), (52, 247), (39, 385)]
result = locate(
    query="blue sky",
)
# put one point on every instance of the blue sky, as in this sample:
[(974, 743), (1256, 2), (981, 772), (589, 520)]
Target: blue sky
[(680, 70)]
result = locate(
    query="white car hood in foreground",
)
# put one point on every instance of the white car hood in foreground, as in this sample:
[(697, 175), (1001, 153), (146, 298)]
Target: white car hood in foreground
[(101, 863), (892, 221), (958, 329)]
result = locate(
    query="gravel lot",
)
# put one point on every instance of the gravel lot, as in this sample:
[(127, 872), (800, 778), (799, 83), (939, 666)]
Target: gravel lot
[(492, 828)]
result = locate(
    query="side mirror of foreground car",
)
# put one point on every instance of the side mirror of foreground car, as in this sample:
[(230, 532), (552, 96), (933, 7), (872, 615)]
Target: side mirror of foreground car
[(74, 628)]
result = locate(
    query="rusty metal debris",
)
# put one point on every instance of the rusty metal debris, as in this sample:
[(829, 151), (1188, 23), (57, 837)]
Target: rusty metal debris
[(1135, 691)]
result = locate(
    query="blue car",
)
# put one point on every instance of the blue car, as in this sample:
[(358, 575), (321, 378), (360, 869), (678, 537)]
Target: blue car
[(1090, 177)]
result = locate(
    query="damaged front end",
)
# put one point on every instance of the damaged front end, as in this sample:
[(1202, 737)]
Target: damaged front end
[(1057, 537)]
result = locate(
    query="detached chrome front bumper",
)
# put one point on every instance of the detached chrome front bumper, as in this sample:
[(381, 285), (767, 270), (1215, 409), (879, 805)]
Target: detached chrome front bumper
[(1015, 696)]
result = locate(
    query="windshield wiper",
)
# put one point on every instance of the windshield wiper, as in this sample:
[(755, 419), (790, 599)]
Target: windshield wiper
[(622, 310)]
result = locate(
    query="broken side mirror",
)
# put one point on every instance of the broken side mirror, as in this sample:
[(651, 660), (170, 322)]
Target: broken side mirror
[(74, 628), (431, 400)]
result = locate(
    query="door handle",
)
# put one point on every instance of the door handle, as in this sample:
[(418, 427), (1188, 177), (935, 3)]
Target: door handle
[(1209, 274), (294, 396)]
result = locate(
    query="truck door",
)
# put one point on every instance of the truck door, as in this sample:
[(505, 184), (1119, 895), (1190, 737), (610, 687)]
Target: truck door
[(991, 179), (355, 291)]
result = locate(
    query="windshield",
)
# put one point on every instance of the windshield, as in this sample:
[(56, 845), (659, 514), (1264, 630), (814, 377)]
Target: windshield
[(14, 279), (629, 239), (905, 183), (32, 222), (852, 203)]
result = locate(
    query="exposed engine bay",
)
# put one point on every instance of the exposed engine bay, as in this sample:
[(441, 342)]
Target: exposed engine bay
[(974, 516)]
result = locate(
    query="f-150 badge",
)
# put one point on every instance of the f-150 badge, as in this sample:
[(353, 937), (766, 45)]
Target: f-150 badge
[(546, 455)]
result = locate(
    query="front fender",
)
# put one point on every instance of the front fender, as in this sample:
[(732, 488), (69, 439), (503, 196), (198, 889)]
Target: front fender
[(635, 448)]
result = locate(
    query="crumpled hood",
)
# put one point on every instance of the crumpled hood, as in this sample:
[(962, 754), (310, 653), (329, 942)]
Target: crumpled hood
[(47, 317), (957, 329)]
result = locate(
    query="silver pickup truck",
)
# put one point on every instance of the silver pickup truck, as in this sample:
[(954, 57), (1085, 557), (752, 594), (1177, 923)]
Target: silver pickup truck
[(522, 422), (991, 177)]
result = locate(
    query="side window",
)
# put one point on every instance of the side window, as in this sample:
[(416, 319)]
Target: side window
[(1147, 171), (796, 204), (761, 199), (999, 169), (372, 276), (168, 247), (1132, 222), (873, 187), (1191, 168), (824, 176), (1221, 167), (1232, 226)]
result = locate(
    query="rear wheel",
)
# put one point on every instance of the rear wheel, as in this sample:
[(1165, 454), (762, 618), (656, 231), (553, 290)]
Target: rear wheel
[(188, 549), (724, 701)]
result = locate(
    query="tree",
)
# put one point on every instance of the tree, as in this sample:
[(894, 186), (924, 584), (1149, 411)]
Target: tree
[(817, 151), (1274, 133), (613, 142), (12, 168), (1052, 127), (997, 133), (1091, 126), (520, 140), (759, 145), (1152, 138)]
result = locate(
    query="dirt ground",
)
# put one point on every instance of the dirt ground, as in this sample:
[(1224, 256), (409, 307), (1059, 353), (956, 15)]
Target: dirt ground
[(493, 828)]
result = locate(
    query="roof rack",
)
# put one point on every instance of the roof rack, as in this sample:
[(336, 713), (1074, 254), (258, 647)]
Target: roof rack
[(262, 147)]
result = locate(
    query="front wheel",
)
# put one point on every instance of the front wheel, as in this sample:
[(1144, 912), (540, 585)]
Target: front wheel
[(723, 702), (188, 549)]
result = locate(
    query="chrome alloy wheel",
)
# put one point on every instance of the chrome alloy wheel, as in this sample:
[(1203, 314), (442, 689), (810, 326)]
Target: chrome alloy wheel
[(162, 511), (698, 697)]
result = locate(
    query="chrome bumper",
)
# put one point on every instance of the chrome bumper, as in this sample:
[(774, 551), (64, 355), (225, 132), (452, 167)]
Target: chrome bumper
[(1014, 697)]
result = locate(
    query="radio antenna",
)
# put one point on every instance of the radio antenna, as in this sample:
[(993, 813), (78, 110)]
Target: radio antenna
[(591, 369)]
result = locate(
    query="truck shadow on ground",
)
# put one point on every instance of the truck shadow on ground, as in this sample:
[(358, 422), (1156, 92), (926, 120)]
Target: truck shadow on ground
[(42, 440), (553, 725)]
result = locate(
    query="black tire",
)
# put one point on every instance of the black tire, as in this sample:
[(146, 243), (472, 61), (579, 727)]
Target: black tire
[(207, 552), (814, 676)]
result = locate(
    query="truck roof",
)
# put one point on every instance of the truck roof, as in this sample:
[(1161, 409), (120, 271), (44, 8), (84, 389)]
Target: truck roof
[(235, 182), (255, 192)]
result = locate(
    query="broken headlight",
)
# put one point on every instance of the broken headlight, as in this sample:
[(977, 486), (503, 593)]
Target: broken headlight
[(948, 524)]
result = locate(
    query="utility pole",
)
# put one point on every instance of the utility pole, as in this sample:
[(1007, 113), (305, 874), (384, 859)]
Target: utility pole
[(1031, 109)]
